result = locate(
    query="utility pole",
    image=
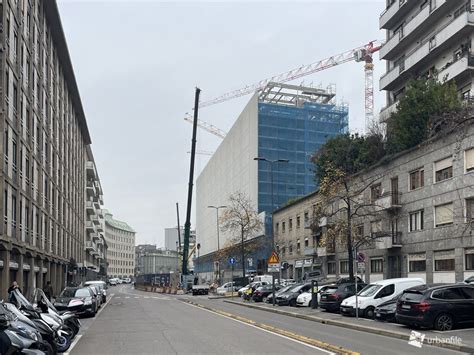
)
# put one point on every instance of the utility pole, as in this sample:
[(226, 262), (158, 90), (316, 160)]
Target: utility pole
[(187, 224), (179, 228)]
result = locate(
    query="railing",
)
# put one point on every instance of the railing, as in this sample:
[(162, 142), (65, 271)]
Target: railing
[(396, 238)]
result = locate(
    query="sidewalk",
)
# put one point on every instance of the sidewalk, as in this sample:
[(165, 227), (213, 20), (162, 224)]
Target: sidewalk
[(436, 338)]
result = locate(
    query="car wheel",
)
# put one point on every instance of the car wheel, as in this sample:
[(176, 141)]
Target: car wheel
[(369, 312), (293, 303), (444, 322), (264, 299)]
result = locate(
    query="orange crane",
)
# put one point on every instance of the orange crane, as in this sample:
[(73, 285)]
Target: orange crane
[(360, 54)]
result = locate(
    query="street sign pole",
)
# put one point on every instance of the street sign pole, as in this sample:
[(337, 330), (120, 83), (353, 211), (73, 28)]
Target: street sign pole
[(273, 288), (232, 278)]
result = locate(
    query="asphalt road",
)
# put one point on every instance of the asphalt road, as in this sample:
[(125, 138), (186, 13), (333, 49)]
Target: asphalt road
[(136, 322)]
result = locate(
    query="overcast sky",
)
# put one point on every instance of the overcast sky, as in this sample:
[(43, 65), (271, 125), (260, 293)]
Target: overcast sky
[(137, 64)]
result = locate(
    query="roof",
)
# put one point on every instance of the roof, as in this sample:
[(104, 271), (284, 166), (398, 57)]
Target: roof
[(57, 33), (114, 223)]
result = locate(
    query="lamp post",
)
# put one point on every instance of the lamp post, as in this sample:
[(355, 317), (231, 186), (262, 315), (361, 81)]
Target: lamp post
[(218, 242), (271, 162)]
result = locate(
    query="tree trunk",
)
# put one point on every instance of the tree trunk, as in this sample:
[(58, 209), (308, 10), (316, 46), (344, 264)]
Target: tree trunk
[(242, 250)]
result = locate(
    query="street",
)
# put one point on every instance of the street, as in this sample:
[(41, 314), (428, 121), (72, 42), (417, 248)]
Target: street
[(136, 322)]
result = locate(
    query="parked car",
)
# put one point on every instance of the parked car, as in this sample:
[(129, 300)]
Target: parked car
[(97, 294), (113, 282), (386, 311), (254, 285), (333, 296), (441, 307), (227, 287), (289, 297), (84, 294), (377, 293), (264, 278), (127, 280), (262, 292), (282, 290), (304, 299), (102, 286), (469, 280)]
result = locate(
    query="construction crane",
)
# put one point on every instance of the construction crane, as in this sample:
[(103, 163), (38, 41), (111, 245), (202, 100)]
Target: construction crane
[(202, 152), (360, 54), (207, 126)]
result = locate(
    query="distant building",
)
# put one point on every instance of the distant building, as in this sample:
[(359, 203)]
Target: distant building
[(171, 238), (141, 250), (158, 262), (120, 239)]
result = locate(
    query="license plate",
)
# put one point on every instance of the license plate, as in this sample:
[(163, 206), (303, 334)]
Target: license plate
[(324, 297), (378, 315), (406, 306)]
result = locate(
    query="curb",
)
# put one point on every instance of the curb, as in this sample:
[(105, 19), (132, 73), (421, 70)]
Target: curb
[(388, 333), (320, 344)]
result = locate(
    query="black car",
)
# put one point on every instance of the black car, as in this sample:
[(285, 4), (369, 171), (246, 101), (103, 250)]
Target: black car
[(263, 292), (386, 311), (441, 307), (333, 296), (289, 297), (85, 294), (280, 291)]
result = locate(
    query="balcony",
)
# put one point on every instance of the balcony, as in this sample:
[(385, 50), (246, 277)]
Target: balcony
[(395, 12), (90, 188), (428, 48), (456, 68), (331, 249), (90, 170), (388, 201), (309, 251), (424, 19), (90, 209), (89, 245), (95, 236), (389, 240), (387, 111), (90, 227), (98, 187), (99, 228), (95, 220)]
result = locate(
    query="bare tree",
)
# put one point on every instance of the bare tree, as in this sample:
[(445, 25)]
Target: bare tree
[(242, 221)]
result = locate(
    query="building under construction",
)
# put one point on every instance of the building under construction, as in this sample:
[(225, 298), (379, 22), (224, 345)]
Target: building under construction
[(280, 122)]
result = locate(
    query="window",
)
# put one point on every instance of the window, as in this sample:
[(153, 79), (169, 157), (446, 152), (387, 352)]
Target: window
[(469, 256), (298, 222), (359, 230), (344, 266), (469, 160), (417, 265), (376, 226), (332, 268), (283, 227), (416, 221), (470, 210), (444, 260), (376, 266), (386, 291), (443, 169), (417, 179), (290, 224), (452, 293), (468, 292), (432, 42), (290, 249), (400, 63), (277, 227), (306, 218), (375, 191), (306, 242), (466, 95), (443, 214), (298, 246)]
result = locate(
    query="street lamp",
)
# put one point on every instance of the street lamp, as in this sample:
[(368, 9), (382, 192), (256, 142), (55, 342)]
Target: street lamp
[(218, 243), (271, 162)]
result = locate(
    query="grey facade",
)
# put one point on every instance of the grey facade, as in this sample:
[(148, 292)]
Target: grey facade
[(44, 143), (424, 215), (158, 262), (171, 238), (423, 36)]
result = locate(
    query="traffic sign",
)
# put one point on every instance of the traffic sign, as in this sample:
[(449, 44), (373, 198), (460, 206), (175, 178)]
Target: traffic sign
[(232, 261), (273, 259), (360, 257), (273, 267), (361, 266)]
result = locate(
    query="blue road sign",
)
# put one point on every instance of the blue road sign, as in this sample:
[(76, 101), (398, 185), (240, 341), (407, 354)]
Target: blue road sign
[(232, 261)]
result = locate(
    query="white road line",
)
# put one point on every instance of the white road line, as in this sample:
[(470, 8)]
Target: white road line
[(117, 297), (265, 330), (146, 297), (134, 297), (73, 344), (127, 297)]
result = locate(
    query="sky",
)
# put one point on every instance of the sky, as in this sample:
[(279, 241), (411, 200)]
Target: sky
[(137, 64)]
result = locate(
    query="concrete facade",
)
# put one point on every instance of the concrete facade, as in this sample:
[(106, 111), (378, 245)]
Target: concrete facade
[(44, 145), (158, 262), (422, 36), (120, 239), (426, 223)]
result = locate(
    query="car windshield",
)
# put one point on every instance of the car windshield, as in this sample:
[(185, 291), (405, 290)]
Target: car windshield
[(295, 288), (330, 289), (369, 290), (411, 296)]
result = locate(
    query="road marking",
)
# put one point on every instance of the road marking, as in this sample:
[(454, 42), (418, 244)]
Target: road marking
[(146, 297), (309, 342), (134, 297), (73, 344), (117, 297), (129, 297)]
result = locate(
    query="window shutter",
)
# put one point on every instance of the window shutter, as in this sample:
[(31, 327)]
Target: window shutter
[(444, 214), (443, 164), (469, 156)]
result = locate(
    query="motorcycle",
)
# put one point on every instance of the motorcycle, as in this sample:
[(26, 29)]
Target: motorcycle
[(63, 335)]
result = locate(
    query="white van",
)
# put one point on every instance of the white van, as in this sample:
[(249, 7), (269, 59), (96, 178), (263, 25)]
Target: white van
[(377, 293), (263, 278)]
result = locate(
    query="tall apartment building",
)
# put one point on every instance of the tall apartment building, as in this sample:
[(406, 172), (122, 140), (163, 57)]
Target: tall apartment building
[(120, 239), (95, 246), (422, 36), (280, 122), (44, 143), (420, 215)]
